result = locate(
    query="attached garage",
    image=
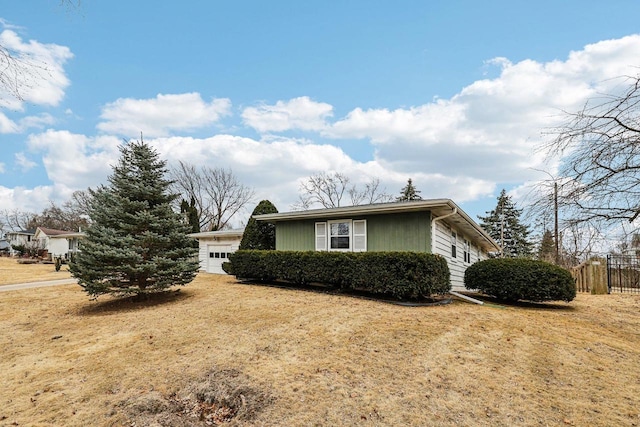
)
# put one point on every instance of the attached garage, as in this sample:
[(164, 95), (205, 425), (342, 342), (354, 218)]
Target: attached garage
[(215, 247)]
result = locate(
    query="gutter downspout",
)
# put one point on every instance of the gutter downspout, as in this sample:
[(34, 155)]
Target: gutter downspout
[(466, 298), (433, 235), (433, 226)]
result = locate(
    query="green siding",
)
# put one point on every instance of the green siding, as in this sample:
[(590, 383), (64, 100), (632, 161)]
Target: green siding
[(399, 232), (296, 235), (391, 232)]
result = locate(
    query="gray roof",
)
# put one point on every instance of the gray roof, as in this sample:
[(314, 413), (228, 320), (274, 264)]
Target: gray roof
[(29, 232), (237, 232), (438, 207)]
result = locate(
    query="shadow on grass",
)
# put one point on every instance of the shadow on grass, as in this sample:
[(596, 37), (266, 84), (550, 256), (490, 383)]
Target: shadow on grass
[(549, 305), (134, 303)]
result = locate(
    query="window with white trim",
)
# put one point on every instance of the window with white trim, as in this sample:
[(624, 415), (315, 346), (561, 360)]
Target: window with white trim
[(341, 235)]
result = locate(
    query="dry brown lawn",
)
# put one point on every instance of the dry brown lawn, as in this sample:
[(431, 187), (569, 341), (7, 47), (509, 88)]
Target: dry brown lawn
[(11, 272), (299, 358)]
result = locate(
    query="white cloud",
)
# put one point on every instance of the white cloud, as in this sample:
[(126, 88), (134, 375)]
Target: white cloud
[(297, 113), (7, 125), (36, 74), (162, 115), (38, 121), (460, 148), (75, 161), (489, 132), (427, 123), (9, 26), (26, 199), (24, 163), (275, 167)]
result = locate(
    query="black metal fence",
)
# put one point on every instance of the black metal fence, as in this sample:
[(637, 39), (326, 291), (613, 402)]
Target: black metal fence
[(623, 273)]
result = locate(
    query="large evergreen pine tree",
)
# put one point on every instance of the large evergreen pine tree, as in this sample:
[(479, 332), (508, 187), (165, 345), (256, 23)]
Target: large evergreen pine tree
[(136, 243), (190, 212), (260, 235), (409, 193), (504, 226), (547, 249)]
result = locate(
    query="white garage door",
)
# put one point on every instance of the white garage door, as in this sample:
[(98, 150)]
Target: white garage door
[(216, 255)]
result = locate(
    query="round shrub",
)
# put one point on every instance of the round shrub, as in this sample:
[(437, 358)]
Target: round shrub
[(513, 279)]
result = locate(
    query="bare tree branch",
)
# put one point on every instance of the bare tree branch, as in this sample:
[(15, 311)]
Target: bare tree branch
[(600, 145), (371, 193), (217, 193), (16, 220), (19, 70), (328, 190)]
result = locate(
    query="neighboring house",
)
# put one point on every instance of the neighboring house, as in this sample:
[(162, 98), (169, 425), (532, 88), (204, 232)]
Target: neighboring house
[(434, 226), (20, 238), (5, 247), (57, 243), (215, 247)]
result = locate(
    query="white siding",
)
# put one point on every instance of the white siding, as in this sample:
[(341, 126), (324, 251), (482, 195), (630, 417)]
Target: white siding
[(457, 266), (57, 247), (443, 247), (205, 244)]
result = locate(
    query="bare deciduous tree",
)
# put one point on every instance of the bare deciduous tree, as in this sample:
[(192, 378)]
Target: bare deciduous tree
[(66, 217), (575, 238), (217, 193), (371, 193), (329, 189), (15, 219), (80, 203), (19, 70), (601, 164)]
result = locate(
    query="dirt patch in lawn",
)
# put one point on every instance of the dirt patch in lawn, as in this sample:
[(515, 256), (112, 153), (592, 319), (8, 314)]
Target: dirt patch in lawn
[(12, 272), (222, 396), (306, 358)]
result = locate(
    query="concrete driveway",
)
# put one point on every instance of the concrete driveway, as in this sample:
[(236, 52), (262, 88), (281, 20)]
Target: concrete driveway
[(19, 286)]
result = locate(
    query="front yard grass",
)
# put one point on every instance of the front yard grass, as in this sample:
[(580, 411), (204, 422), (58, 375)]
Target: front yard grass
[(308, 358), (11, 272)]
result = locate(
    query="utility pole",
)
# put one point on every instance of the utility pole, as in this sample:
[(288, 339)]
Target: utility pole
[(555, 231), (501, 231)]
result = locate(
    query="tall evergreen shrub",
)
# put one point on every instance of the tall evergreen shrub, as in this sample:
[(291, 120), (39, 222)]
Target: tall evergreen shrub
[(136, 244)]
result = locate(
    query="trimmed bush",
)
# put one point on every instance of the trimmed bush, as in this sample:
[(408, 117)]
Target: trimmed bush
[(402, 275), (513, 279)]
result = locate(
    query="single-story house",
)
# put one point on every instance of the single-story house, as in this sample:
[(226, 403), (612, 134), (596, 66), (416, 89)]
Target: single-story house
[(215, 247), (20, 238), (57, 243), (436, 226)]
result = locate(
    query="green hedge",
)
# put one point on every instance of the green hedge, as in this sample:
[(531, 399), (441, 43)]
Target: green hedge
[(403, 275), (513, 279)]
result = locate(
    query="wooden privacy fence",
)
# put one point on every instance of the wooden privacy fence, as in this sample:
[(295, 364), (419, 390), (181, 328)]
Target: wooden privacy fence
[(591, 276)]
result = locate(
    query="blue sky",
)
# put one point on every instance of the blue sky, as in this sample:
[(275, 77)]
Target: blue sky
[(456, 95)]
